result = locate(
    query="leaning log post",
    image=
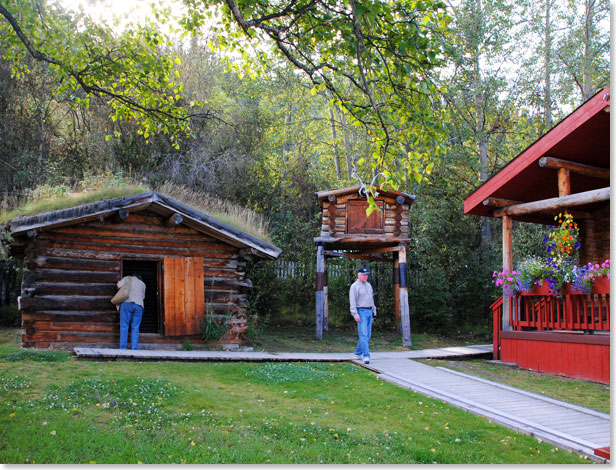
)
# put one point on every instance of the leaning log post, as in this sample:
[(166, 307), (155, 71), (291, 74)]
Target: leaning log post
[(396, 276), (508, 266), (325, 300), (404, 297), (319, 294)]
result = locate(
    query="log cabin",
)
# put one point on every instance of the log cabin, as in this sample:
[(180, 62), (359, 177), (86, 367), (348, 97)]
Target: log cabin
[(567, 168), (347, 231), (191, 263)]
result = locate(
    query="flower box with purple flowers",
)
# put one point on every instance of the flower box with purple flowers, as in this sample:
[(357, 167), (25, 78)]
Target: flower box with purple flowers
[(560, 274)]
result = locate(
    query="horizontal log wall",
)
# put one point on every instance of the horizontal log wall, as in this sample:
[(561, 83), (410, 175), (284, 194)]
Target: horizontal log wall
[(70, 275), (595, 237), (396, 215)]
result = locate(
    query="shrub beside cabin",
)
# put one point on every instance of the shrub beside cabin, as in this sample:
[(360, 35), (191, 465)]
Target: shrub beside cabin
[(73, 258)]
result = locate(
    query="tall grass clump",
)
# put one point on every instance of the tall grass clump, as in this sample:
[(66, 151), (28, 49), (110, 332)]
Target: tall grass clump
[(91, 188), (227, 212)]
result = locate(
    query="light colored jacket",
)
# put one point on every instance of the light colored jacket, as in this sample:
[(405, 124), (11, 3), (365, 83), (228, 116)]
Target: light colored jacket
[(361, 295), (137, 289)]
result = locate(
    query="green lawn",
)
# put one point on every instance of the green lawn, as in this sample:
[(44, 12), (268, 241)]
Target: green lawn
[(580, 392), (54, 409), (298, 339)]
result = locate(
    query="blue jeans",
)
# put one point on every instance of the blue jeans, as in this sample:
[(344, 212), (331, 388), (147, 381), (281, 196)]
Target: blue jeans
[(364, 330), (130, 314)]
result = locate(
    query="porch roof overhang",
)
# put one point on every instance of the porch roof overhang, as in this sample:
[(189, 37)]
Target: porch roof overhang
[(583, 137)]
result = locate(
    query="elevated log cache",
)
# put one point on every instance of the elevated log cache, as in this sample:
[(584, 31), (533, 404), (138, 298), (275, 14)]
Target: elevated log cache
[(346, 226)]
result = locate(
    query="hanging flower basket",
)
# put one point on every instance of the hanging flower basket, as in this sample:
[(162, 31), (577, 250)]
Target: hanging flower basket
[(558, 275)]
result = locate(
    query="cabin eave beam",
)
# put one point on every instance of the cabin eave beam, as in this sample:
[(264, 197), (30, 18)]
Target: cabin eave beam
[(556, 203), (579, 168)]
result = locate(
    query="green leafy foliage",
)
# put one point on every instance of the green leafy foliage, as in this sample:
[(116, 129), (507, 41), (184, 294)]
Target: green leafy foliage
[(128, 70), (374, 59), (187, 346), (214, 327)]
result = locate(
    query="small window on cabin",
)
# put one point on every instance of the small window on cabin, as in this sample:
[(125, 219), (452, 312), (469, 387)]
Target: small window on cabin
[(358, 222)]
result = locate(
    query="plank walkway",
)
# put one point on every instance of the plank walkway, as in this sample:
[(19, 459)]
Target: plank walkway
[(563, 424), (169, 355)]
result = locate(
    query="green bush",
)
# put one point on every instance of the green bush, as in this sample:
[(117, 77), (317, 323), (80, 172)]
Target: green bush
[(213, 327), (10, 316)]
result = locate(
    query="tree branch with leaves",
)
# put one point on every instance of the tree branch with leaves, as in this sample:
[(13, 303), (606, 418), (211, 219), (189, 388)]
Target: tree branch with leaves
[(373, 58), (129, 70)]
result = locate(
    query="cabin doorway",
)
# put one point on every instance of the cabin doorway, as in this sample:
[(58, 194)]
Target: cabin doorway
[(149, 271)]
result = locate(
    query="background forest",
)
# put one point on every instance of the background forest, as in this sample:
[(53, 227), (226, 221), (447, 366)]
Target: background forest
[(269, 141)]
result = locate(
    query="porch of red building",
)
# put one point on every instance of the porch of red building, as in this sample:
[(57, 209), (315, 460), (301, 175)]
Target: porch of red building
[(566, 169), (568, 335)]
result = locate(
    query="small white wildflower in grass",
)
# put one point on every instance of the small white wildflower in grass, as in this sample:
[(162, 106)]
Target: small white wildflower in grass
[(53, 433)]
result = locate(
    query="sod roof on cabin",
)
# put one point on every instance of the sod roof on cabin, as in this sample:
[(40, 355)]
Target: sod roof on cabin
[(153, 201)]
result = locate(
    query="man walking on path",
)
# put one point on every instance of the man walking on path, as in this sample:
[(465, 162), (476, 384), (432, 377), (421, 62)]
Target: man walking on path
[(131, 311), (361, 300)]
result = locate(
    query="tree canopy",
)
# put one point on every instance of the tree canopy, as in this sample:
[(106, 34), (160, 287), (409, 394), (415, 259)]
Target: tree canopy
[(264, 103)]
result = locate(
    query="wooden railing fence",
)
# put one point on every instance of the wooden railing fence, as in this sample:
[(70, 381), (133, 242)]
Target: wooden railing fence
[(571, 312)]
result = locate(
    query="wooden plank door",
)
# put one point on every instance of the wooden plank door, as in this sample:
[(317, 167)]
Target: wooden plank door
[(183, 295), (358, 222)]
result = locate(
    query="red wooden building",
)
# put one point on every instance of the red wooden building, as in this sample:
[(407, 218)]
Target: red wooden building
[(567, 168), (190, 263)]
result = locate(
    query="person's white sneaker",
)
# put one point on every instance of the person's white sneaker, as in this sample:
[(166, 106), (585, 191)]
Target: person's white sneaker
[(366, 360), (357, 357)]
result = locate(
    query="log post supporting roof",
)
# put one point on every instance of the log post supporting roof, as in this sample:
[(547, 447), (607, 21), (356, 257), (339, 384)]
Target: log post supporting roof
[(579, 145)]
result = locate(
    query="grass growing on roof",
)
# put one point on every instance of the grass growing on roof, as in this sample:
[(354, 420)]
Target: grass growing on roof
[(51, 198), (48, 204), (237, 216)]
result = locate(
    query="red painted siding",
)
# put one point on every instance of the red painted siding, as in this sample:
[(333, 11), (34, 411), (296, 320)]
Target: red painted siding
[(589, 361)]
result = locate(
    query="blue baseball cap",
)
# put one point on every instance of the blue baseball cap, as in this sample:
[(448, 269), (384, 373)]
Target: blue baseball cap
[(363, 270)]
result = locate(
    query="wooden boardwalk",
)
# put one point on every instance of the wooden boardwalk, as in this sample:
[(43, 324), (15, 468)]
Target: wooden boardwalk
[(167, 355), (562, 424)]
